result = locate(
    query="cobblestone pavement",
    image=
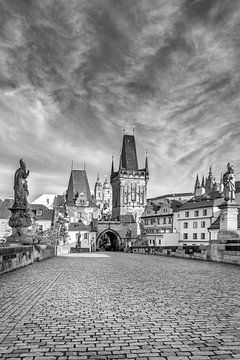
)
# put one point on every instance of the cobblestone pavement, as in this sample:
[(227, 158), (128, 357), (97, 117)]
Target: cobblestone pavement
[(123, 306)]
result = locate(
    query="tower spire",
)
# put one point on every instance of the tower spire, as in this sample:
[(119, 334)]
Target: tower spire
[(197, 184), (112, 169), (203, 181), (146, 166)]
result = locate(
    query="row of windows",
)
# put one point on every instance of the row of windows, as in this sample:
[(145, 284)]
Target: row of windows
[(195, 224), (166, 220), (196, 213), (195, 236)]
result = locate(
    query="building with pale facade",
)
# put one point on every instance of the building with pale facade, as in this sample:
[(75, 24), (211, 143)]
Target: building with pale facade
[(196, 216), (158, 223)]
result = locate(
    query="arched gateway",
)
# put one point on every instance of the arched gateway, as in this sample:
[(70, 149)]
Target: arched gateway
[(109, 239), (113, 235)]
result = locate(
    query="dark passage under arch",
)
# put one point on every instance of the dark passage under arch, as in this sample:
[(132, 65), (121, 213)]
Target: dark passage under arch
[(108, 240)]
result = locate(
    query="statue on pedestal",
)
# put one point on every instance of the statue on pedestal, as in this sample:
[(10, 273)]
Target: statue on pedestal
[(229, 184), (20, 219)]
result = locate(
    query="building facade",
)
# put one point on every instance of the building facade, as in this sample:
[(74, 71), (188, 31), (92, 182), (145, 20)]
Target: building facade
[(158, 223), (196, 216), (103, 197), (79, 206)]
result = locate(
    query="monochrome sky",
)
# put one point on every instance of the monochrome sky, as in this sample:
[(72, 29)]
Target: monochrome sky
[(73, 72)]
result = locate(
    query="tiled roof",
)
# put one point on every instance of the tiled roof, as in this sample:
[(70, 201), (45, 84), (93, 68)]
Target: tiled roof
[(41, 212), (129, 154), (202, 201), (78, 227), (170, 195), (78, 182)]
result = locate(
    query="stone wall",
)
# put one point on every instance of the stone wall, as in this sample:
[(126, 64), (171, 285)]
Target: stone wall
[(216, 252), (12, 258), (188, 253)]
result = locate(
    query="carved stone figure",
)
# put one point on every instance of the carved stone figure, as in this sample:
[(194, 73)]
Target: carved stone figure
[(20, 186), (229, 183), (20, 219)]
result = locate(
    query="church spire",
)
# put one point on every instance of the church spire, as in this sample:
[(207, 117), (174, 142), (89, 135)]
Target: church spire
[(197, 184), (146, 167), (112, 169), (210, 175), (203, 181)]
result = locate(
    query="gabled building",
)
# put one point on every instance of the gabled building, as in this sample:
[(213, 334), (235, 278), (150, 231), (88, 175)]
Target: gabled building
[(79, 205), (159, 223), (196, 216), (129, 183)]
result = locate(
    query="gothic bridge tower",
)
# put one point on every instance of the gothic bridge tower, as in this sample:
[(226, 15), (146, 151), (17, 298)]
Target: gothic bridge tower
[(129, 183)]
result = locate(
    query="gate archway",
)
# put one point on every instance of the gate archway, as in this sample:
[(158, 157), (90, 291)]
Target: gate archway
[(109, 240)]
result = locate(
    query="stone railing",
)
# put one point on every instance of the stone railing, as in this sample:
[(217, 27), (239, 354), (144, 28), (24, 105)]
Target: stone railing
[(12, 258)]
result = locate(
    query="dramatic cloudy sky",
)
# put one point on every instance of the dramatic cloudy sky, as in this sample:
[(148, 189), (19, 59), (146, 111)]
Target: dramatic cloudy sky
[(73, 72)]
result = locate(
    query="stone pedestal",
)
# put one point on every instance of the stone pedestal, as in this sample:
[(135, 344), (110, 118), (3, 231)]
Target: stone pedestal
[(19, 221), (228, 216), (228, 222)]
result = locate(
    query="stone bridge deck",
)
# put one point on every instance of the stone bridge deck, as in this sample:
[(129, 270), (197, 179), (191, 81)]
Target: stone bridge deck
[(120, 306)]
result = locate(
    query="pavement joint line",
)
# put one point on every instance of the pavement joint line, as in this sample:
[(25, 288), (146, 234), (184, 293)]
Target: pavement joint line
[(41, 295)]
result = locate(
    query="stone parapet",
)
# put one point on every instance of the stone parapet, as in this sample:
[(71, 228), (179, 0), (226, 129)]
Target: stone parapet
[(17, 256)]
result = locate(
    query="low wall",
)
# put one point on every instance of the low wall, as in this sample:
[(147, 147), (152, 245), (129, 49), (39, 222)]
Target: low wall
[(199, 253), (219, 252), (225, 252), (14, 257)]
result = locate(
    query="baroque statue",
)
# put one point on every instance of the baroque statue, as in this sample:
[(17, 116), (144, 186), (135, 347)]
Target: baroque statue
[(20, 219), (229, 183), (20, 186)]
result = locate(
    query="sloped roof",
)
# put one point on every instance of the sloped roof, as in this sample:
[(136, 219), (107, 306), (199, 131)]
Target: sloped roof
[(78, 182), (79, 226), (41, 212), (202, 201), (129, 155)]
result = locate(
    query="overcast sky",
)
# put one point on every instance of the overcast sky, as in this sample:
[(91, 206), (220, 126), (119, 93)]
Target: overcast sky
[(73, 72)]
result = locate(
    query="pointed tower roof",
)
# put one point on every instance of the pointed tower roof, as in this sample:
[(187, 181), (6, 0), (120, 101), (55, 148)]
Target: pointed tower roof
[(197, 184), (210, 175), (146, 167), (128, 157), (112, 169), (78, 181), (203, 181)]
